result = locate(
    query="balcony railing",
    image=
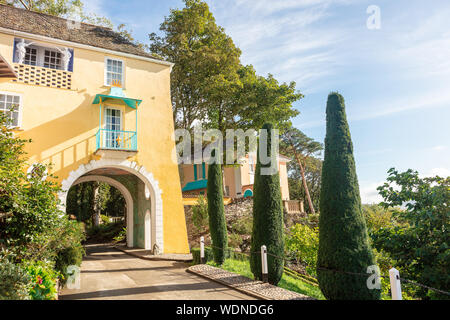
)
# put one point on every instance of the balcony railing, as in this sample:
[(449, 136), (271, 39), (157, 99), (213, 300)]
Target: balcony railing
[(116, 140)]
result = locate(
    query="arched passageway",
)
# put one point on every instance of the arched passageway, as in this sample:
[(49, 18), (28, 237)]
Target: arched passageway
[(141, 192)]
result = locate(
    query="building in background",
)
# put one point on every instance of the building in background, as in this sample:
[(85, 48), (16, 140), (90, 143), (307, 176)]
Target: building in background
[(238, 180)]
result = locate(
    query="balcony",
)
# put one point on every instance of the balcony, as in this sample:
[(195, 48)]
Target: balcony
[(116, 144)]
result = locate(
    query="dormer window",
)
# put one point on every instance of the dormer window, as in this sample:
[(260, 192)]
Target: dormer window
[(36, 54)]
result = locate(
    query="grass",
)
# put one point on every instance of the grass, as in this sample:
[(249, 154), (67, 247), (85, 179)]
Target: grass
[(287, 282)]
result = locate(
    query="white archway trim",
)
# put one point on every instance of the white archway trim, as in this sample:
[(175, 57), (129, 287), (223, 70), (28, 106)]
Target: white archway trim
[(147, 177), (126, 194)]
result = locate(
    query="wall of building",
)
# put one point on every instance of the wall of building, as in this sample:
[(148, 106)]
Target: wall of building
[(63, 124)]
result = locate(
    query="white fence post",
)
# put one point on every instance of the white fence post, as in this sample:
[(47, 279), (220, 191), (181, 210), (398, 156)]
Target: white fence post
[(202, 250), (265, 275), (396, 288)]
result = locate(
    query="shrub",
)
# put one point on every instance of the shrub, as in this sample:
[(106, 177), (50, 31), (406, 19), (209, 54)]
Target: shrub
[(104, 219), (105, 232), (200, 213), (267, 218), (343, 239), (44, 280), (303, 243), (420, 244), (216, 212), (121, 236), (15, 283)]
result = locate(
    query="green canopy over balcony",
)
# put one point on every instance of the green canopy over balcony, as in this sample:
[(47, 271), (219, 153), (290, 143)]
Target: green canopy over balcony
[(116, 93)]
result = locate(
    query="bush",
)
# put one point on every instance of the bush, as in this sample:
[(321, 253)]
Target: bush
[(71, 256), (420, 245), (200, 213), (44, 279), (267, 219), (105, 232), (216, 212), (122, 235), (343, 239), (303, 243), (15, 283)]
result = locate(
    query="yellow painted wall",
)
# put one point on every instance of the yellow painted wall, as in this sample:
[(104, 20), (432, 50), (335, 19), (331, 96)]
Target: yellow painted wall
[(63, 124)]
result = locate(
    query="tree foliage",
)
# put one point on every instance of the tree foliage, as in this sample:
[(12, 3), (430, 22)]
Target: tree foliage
[(209, 83), (343, 240), (419, 243), (294, 142), (267, 220)]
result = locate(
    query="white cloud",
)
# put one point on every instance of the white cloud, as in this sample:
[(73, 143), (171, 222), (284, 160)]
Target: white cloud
[(441, 172), (93, 6), (439, 148), (369, 193)]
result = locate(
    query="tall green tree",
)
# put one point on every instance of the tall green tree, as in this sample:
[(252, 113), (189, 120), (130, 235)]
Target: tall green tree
[(302, 147), (313, 176), (206, 63), (344, 246), (263, 99), (267, 219), (216, 212), (209, 83)]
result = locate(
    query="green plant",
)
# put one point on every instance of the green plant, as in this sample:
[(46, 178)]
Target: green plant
[(420, 242), (343, 240), (267, 216), (200, 213), (15, 283), (44, 279), (121, 236), (303, 242), (216, 212)]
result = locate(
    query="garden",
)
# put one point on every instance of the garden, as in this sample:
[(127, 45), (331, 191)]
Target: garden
[(38, 242)]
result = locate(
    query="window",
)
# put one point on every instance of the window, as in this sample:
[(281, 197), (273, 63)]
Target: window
[(10, 104), (114, 71), (31, 56), (41, 55), (52, 59)]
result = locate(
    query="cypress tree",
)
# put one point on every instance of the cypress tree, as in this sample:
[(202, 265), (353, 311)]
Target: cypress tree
[(267, 220), (343, 239), (216, 212)]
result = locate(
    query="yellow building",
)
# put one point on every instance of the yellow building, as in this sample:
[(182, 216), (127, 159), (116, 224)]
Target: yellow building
[(98, 109), (237, 180)]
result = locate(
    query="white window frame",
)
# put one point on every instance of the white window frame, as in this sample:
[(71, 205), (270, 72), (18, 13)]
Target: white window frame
[(105, 77), (40, 56), (121, 116), (19, 120)]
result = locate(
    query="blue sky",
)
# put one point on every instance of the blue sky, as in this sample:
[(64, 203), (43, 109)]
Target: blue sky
[(395, 80)]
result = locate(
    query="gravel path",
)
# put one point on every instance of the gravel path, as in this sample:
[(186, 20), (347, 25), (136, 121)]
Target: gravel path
[(255, 288)]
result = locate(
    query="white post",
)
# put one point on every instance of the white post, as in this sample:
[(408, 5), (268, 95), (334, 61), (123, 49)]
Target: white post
[(265, 276), (202, 250), (396, 288)]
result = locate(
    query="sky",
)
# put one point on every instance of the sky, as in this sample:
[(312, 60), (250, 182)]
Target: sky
[(389, 59)]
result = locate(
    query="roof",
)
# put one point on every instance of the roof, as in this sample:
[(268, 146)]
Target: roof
[(57, 28), (6, 71), (196, 185)]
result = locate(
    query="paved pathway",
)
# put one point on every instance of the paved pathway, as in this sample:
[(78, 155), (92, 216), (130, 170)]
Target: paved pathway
[(107, 273)]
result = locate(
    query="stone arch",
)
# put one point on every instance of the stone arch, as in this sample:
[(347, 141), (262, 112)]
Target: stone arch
[(147, 177), (126, 194)]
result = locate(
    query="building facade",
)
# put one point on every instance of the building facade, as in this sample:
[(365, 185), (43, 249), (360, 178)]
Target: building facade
[(238, 180), (97, 108)]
